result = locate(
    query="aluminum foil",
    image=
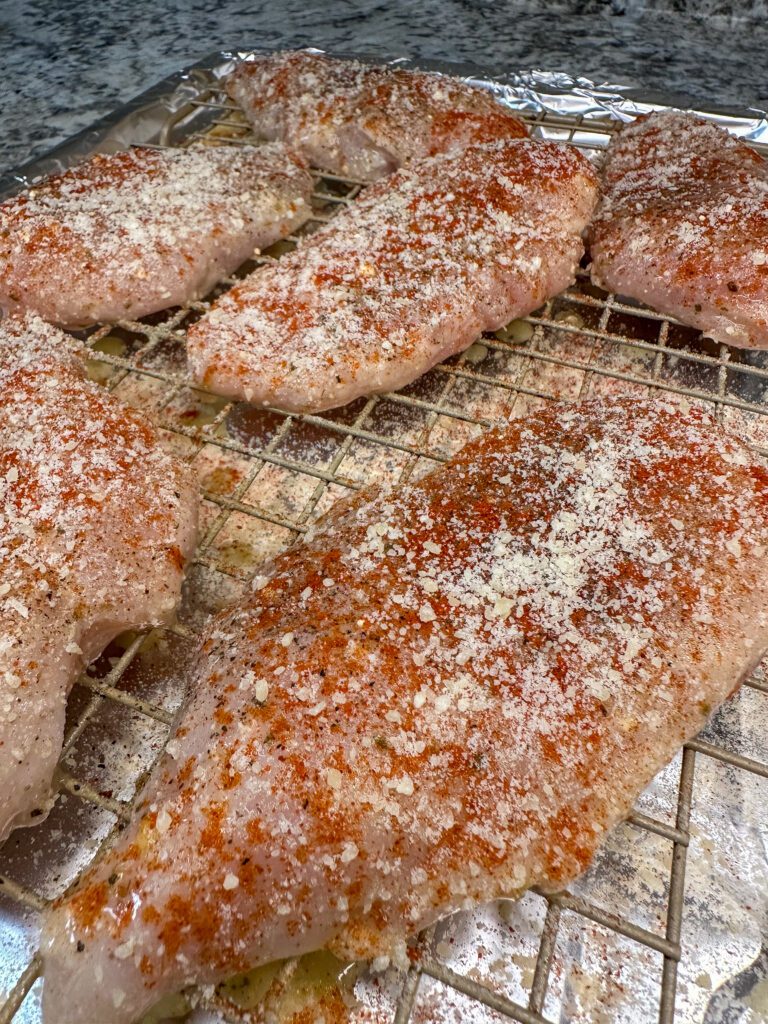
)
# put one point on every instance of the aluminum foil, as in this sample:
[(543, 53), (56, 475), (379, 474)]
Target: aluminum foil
[(558, 93), (597, 974)]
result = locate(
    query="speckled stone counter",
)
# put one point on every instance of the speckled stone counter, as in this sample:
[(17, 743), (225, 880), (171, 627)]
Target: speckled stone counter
[(67, 63)]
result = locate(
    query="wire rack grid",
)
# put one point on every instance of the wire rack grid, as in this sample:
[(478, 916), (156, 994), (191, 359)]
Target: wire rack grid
[(266, 475)]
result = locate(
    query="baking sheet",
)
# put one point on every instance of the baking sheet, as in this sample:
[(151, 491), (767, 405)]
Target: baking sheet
[(606, 951)]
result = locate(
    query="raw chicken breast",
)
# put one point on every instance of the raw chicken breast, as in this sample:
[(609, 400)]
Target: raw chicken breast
[(125, 235), (450, 692), (363, 121), (96, 522), (408, 275), (683, 226)]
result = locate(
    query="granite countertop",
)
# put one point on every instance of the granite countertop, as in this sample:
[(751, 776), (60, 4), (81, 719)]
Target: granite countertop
[(66, 64)]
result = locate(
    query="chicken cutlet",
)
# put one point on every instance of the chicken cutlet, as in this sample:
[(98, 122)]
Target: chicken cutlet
[(449, 692), (682, 226), (96, 523), (362, 121), (408, 275), (128, 234)]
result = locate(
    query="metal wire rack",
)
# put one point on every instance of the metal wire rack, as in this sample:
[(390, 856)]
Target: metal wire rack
[(265, 476)]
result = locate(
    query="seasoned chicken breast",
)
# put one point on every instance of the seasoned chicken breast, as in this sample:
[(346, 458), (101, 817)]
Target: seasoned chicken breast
[(683, 226), (363, 121), (125, 235), (449, 692), (406, 276), (96, 523)]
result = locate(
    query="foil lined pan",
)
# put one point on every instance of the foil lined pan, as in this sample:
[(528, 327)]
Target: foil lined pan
[(602, 952)]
